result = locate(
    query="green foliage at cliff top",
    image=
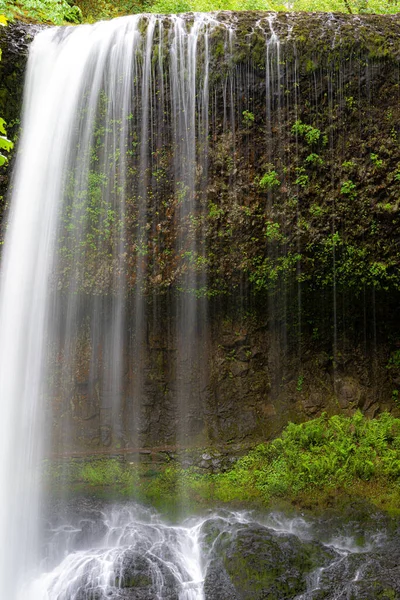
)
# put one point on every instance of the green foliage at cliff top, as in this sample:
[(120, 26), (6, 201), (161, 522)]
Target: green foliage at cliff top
[(55, 12), (59, 12)]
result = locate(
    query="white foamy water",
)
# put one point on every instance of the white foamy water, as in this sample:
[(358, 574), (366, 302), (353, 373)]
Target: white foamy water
[(129, 545)]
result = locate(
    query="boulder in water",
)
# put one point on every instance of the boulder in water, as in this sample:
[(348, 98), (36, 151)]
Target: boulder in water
[(251, 562)]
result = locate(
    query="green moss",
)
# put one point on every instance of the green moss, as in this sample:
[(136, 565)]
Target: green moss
[(311, 463)]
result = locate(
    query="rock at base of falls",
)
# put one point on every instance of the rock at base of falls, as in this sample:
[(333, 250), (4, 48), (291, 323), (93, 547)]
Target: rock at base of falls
[(254, 562), (100, 551), (132, 576)]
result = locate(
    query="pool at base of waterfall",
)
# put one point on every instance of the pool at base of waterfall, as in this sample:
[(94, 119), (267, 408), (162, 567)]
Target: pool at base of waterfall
[(94, 550)]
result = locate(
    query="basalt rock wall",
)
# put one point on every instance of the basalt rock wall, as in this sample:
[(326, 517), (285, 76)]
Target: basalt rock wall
[(299, 245)]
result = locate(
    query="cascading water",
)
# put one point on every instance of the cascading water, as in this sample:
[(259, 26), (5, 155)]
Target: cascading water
[(104, 278), (89, 176), (129, 547), (125, 551), (91, 109)]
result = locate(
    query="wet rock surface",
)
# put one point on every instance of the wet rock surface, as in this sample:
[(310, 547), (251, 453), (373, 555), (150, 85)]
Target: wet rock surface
[(253, 561), (256, 359), (132, 577), (259, 563), (128, 552)]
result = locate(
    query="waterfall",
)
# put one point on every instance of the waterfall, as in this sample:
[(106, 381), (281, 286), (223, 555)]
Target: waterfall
[(164, 163), (90, 180)]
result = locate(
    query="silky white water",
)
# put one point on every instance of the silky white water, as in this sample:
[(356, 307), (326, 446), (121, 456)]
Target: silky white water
[(86, 150), (115, 133), (126, 543)]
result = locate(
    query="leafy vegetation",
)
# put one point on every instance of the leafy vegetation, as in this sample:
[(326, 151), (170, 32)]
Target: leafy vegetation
[(69, 11), (269, 180), (311, 134), (47, 11), (348, 188), (107, 8), (248, 117), (325, 453), (311, 462), (5, 144)]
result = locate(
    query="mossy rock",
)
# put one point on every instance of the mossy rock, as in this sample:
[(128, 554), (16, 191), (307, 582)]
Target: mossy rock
[(257, 563), (365, 576)]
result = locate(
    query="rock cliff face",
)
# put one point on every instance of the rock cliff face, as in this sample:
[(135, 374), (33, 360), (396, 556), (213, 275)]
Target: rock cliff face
[(299, 247), (14, 44)]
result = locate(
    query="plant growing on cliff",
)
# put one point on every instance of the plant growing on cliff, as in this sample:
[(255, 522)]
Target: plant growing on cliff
[(314, 159), (273, 231), (248, 117), (394, 360), (310, 134), (269, 180), (300, 381), (348, 188), (302, 178), (5, 144), (377, 162)]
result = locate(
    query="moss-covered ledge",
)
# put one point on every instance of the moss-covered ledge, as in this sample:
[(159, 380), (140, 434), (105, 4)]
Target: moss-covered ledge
[(324, 464)]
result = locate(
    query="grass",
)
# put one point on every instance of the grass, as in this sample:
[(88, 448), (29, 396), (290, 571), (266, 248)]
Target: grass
[(314, 465)]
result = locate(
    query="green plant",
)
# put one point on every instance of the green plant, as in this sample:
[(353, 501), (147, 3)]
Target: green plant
[(269, 180), (5, 144), (302, 178), (311, 134), (248, 117), (214, 212), (350, 103), (348, 188), (378, 162), (316, 210), (300, 381), (323, 453), (61, 10), (43, 10), (272, 231), (265, 272), (325, 456), (348, 165), (394, 360), (314, 159)]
